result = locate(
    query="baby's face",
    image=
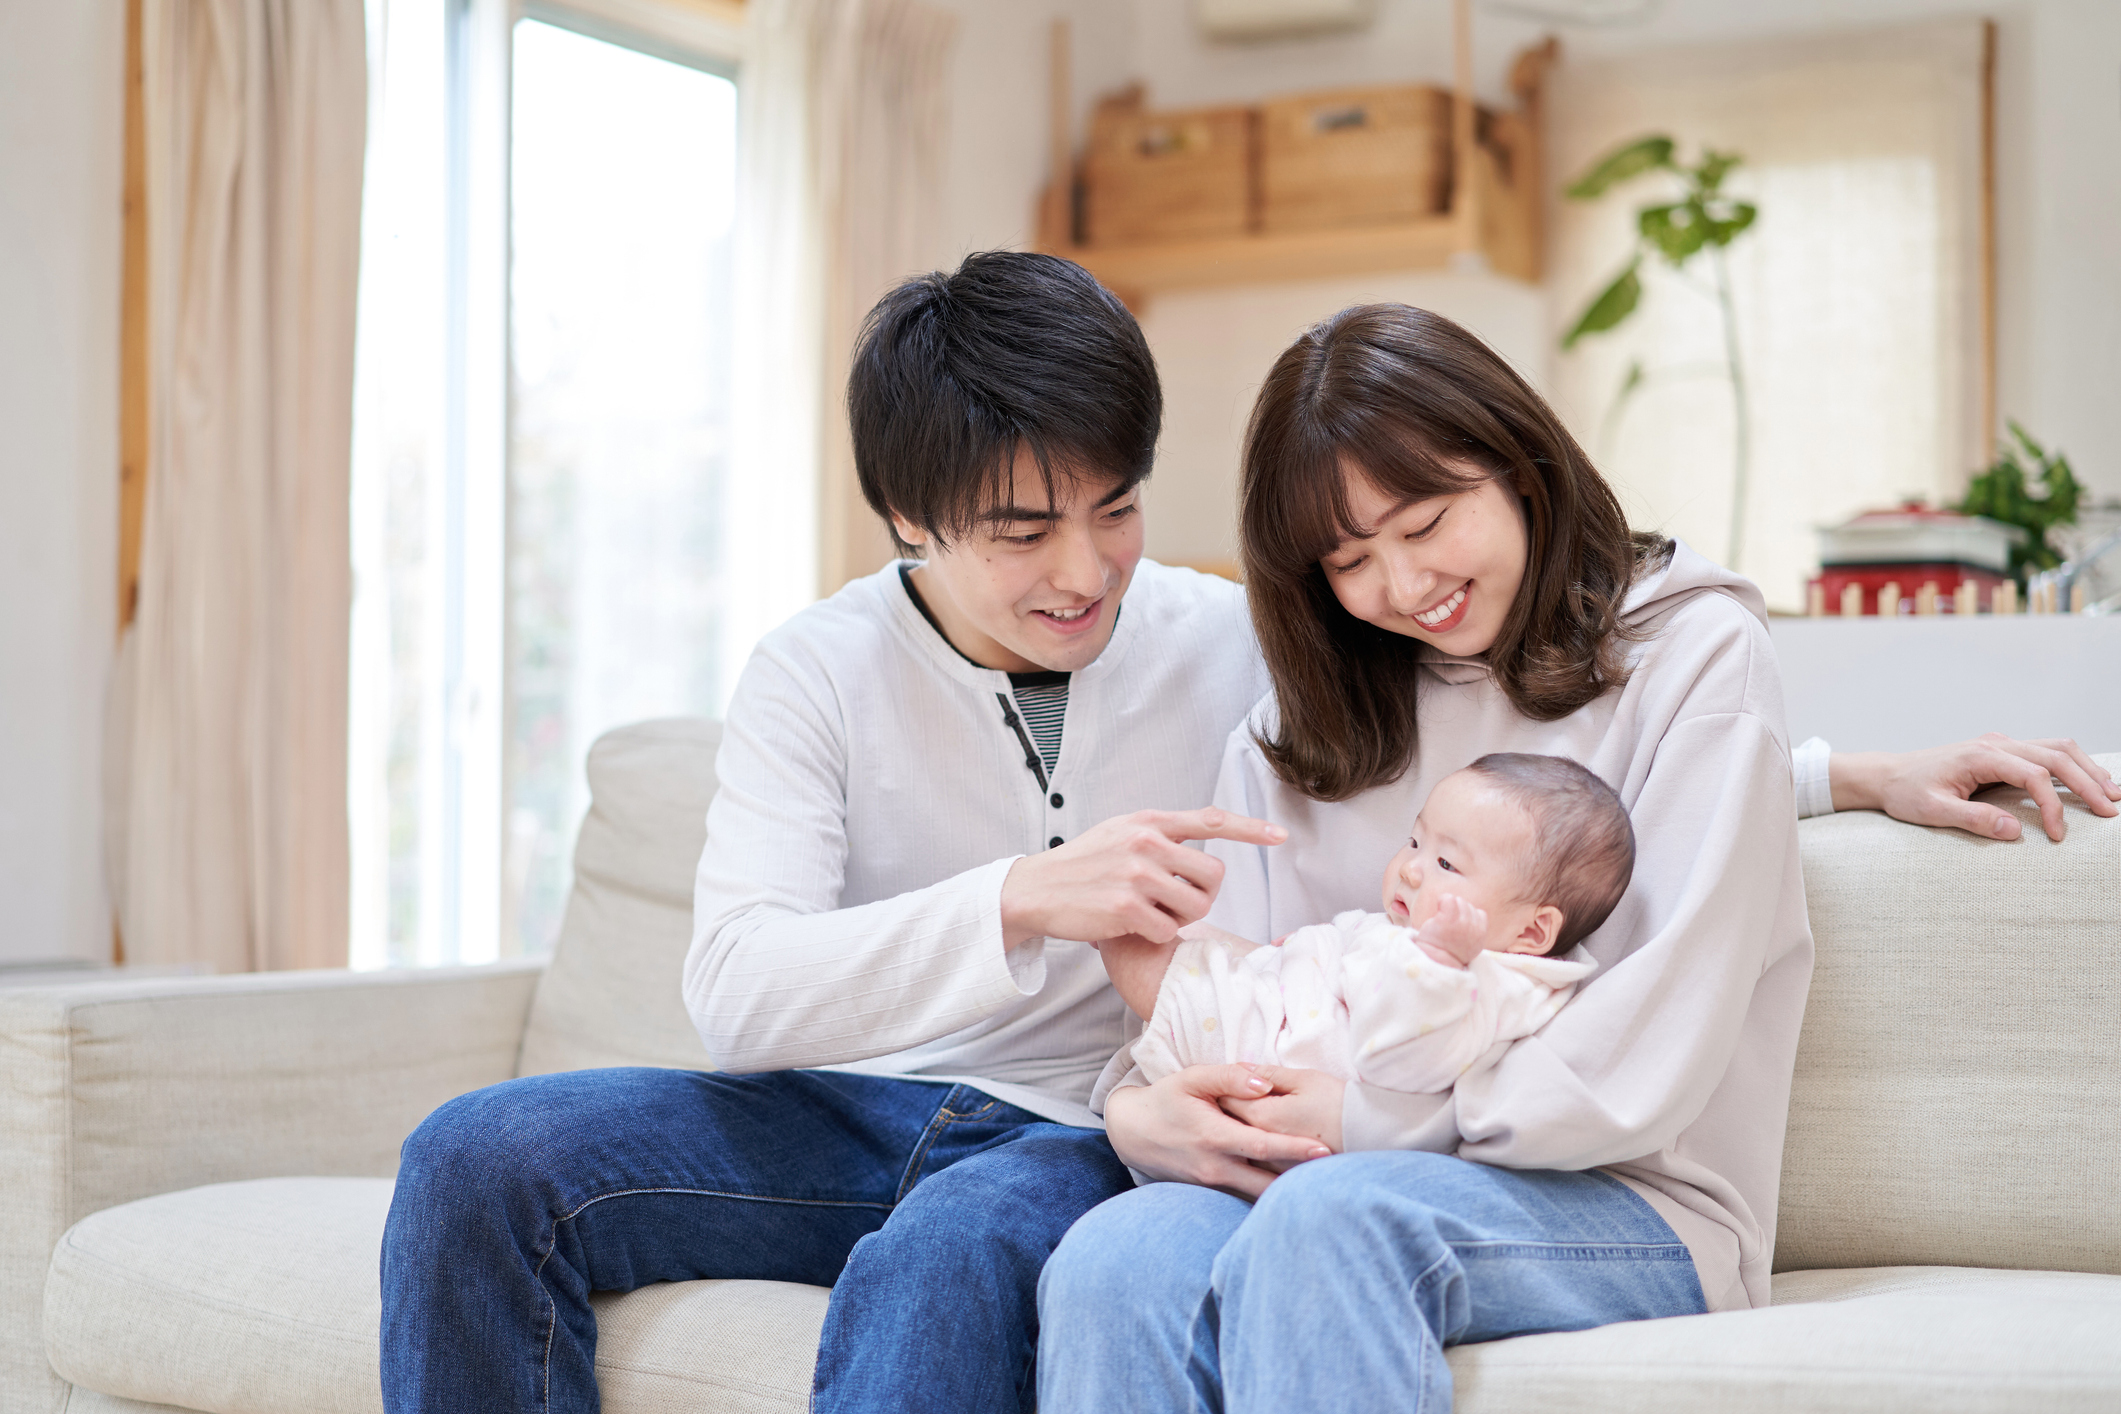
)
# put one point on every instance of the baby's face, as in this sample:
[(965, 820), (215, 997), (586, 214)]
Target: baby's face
[(1470, 840)]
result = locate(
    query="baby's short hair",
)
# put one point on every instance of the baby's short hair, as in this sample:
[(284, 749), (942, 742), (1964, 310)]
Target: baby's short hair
[(1583, 848)]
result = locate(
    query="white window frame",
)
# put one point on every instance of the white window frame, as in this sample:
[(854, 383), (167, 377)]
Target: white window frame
[(463, 717)]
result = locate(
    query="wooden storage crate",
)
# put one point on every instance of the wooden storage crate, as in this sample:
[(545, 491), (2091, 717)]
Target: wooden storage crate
[(1167, 176), (1353, 156)]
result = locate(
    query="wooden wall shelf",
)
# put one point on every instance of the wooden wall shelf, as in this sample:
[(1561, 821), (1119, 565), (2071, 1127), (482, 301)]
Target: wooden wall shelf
[(1137, 271), (1494, 218)]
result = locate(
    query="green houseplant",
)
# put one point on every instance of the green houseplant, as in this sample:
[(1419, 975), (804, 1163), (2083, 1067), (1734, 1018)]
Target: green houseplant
[(2029, 487), (1703, 220)]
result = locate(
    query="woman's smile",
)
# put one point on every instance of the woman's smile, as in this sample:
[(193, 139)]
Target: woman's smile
[(1447, 615)]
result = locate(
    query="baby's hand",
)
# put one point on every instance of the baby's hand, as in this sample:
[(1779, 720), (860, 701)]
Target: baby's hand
[(1456, 929)]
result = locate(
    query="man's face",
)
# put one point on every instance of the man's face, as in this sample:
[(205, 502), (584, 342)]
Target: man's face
[(1033, 586)]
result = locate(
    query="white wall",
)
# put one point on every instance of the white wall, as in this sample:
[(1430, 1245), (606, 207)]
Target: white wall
[(2058, 199), (61, 153)]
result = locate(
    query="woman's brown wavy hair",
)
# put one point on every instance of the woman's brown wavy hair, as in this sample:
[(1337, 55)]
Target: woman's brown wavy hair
[(1422, 408)]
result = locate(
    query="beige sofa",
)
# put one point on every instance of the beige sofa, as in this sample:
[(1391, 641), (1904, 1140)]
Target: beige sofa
[(196, 1170)]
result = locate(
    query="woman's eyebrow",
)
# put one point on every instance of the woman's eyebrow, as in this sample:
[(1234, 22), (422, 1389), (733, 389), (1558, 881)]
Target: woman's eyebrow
[(1361, 534)]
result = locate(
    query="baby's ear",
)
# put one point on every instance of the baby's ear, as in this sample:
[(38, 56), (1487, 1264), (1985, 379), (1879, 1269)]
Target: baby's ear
[(1540, 932)]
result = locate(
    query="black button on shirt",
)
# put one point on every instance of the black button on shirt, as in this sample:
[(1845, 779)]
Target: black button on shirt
[(1054, 843), (1056, 800)]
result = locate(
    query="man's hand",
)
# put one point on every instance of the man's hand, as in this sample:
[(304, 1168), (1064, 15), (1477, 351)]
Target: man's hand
[(1131, 874), (1303, 1104), (1173, 1130), (1932, 787)]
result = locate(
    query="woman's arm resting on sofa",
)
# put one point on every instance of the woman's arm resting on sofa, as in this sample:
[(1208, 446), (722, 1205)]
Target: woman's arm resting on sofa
[(1933, 787)]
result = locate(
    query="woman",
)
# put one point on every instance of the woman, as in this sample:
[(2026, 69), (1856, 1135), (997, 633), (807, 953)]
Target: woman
[(1437, 572)]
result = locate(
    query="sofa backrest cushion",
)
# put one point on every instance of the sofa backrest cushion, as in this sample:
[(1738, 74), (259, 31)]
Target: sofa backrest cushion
[(1956, 1081), (612, 994)]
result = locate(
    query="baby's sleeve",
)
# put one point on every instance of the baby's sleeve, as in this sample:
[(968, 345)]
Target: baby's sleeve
[(1219, 1003), (1416, 1023)]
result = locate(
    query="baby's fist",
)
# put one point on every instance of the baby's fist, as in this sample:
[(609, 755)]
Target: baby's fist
[(1457, 927)]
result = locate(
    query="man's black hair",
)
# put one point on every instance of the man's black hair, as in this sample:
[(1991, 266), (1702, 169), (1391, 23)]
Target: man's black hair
[(954, 372)]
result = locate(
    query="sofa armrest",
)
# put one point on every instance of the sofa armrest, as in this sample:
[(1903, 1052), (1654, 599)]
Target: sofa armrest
[(112, 1091)]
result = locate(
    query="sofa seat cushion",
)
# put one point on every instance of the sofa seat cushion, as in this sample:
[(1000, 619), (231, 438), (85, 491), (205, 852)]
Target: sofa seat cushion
[(1878, 1340), (263, 1298)]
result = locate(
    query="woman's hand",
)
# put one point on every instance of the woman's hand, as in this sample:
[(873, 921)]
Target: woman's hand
[(1932, 787), (1176, 1131), (1301, 1103)]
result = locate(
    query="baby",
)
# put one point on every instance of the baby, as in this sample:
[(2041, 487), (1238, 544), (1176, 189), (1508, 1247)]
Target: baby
[(1512, 861)]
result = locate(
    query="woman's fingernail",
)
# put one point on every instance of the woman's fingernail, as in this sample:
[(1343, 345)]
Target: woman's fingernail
[(2003, 829), (1255, 1083), (1320, 1152)]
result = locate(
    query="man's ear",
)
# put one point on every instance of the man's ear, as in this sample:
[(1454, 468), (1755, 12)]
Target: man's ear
[(1540, 932), (907, 532)]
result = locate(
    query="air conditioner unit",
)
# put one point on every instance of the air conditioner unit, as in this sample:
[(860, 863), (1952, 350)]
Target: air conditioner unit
[(1280, 19)]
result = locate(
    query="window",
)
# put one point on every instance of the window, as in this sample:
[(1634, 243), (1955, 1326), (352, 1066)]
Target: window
[(1861, 337), (540, 450)]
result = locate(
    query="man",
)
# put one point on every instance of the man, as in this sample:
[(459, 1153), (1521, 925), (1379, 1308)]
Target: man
[(932, 785)]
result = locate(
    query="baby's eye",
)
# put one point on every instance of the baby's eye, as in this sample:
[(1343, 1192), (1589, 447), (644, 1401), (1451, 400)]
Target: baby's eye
[(1442, 863)]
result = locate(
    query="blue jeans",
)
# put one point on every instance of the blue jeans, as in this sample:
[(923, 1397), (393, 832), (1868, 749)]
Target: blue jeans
[(927, 1208), (1341, 1288)]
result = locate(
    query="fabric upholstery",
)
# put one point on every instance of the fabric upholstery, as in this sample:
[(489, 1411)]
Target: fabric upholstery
[(260, 1298), (243, 1298), (1953, 1102), (612, 994), (88, 1401), (110, 1091), (1873, 1341)]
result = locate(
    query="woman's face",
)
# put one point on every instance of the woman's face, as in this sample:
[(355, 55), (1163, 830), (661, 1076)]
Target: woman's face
[(1443, 570)]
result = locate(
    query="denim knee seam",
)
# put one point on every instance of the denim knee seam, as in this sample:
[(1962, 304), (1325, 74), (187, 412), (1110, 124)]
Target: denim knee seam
[(1580, 1251), (552, 1242)]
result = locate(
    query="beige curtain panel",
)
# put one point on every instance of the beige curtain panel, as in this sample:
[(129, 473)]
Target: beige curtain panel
[(227, 764), (844, 131)]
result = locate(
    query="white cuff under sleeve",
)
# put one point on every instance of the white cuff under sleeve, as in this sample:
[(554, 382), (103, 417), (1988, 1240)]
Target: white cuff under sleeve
[(1815, 787)]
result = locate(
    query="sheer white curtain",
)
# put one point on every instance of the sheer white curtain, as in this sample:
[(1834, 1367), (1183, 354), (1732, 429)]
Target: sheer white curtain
[(228, 726), (844, 120), (1857, 290)]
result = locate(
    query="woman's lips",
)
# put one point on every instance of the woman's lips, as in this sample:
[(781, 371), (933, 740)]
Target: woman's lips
[(1458, 601), (1085, 617)]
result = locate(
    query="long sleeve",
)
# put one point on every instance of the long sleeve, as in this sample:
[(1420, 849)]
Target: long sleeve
[(779, 975)]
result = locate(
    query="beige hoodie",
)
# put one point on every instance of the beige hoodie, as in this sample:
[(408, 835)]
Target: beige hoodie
[(1671, 1068)]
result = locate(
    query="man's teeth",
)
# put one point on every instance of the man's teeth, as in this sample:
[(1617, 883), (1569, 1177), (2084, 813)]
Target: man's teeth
[(1442, 611)]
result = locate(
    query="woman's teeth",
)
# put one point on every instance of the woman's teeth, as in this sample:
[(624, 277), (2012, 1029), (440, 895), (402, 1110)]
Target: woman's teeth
[(1066, 615), (1442, 611)]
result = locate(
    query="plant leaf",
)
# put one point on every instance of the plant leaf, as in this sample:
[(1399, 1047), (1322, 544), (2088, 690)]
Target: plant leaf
[(1614, 303), (1644, 154), (1714, 167), (1677, 230), (1736, 216)]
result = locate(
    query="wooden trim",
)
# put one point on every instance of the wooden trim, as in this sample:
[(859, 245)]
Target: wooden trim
[(1466, 192), (132, 334), (1988, 240)]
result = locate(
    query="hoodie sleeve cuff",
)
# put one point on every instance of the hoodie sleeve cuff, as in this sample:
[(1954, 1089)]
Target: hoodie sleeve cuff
[(1811, 765), (1376, 1118)]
